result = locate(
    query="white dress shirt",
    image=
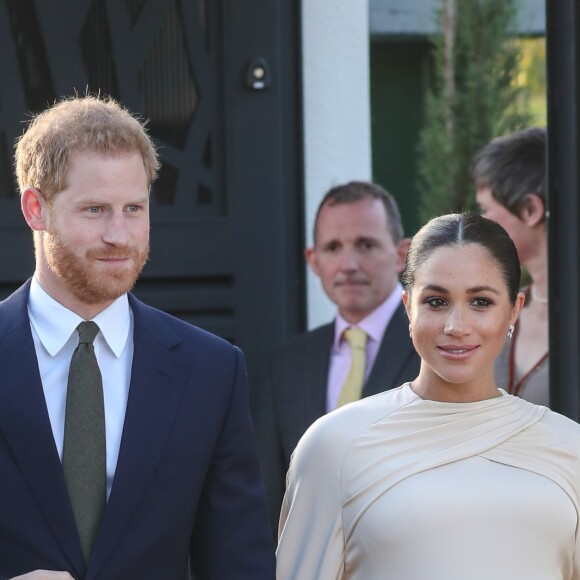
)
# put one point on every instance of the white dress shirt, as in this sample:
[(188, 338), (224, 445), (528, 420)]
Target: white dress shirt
[(55, 339)]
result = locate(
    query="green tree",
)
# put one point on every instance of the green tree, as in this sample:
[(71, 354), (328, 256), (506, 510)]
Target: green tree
[(475, 97)]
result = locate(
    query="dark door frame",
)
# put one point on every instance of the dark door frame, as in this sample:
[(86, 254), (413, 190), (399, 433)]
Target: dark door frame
[(257, 293), (563, 67), (258, 122)]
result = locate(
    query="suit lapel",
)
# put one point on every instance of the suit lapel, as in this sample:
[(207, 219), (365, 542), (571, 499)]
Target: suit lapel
[(393, 353), (154, 396), (25, 425), (316, 373), (300, 385)]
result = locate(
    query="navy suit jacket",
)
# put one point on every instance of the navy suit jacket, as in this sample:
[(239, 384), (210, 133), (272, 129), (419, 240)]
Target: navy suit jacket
[(292, 394), (187, 496)]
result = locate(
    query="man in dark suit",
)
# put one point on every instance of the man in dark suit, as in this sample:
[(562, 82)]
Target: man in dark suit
[(158, 478), (359, 250)]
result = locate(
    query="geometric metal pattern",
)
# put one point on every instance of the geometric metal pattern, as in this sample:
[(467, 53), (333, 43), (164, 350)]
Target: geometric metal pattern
[(166, 77), (134, 8), (7, 183), (30, 50), (206, 301), (95, 44), (225, 207), (160, 58)]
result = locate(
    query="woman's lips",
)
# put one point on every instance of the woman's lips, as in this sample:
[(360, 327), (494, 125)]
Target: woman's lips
[(457, 351)]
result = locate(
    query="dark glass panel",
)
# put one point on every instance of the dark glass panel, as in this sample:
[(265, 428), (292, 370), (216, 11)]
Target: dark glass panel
[(168, 85), (207, 153), (96, 48), (31, 51), (164, 188), (204, 21), (7, 182), (134, 8), (204, 195)]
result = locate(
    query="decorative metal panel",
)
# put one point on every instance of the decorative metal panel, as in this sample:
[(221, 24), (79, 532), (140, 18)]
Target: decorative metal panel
[(161, 58)]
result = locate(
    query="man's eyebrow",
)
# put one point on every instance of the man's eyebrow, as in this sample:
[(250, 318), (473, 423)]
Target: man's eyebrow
[(330, 242)]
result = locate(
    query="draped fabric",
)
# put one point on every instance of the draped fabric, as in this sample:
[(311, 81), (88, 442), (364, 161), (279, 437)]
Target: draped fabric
[(394, 466)]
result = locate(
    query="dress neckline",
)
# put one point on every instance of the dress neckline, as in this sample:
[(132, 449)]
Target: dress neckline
[(483, 403)]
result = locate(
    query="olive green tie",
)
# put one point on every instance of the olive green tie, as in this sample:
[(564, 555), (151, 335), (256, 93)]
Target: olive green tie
[(84, 449), (352, 387)]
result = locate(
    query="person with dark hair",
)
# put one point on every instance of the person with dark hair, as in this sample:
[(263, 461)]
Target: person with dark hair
[(126, 443), (358, 253), (510, 178), (447, 476)]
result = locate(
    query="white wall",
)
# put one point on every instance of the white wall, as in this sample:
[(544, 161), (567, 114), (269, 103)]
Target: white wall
[(337, 138)]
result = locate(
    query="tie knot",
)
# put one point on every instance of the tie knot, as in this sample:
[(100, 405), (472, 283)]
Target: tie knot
[(87, 332), (356, 337)]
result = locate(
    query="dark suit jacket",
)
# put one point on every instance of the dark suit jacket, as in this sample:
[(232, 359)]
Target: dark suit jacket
[(187, 484), (292, 394)]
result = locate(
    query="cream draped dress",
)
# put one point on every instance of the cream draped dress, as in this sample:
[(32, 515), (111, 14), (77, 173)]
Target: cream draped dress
[(397, 487)]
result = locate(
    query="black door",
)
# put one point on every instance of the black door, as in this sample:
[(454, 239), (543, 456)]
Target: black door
[(218, 80)]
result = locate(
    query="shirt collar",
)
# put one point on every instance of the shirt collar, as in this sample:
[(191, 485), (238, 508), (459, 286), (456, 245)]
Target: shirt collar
[(375, 323), (54, 323)]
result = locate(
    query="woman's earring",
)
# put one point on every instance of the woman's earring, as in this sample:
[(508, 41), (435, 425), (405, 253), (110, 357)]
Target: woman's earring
[(410, 331), (510, 331)]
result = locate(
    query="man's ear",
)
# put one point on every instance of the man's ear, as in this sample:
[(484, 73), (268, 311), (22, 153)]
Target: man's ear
[(310, 255), (34, 208), (534, 210), (402, 249)]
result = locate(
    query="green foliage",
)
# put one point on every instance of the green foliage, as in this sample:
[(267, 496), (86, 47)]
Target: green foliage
[(475, 97), (533, 76)]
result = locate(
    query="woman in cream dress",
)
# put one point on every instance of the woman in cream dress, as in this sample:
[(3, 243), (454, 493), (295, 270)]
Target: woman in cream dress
[(446, 477)]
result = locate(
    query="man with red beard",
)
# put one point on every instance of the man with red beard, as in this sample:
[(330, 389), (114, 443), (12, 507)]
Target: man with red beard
[(126, 447), (359, 250)]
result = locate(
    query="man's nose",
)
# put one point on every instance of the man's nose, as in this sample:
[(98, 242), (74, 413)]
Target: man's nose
[(117, 232), (349, 260)]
